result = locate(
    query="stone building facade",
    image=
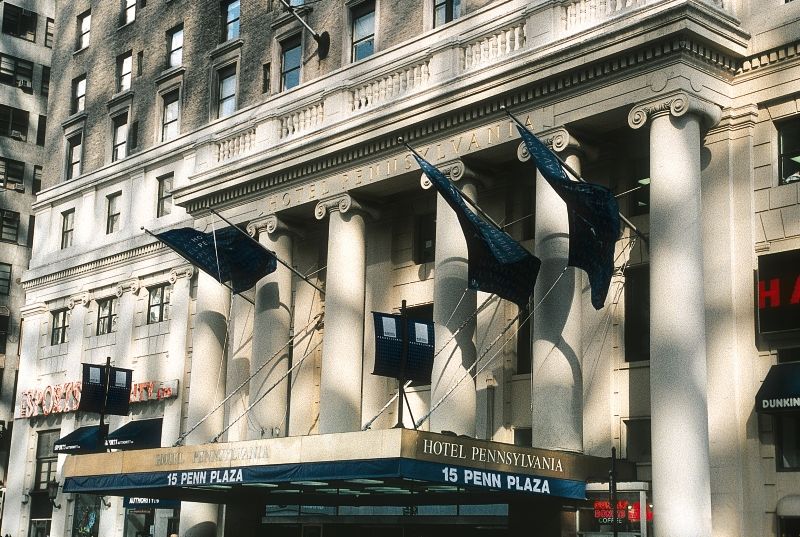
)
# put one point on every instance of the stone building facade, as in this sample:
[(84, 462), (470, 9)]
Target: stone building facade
[(170, 113)]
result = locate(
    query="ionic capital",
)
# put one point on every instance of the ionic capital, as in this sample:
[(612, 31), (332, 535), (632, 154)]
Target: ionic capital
[(81, 298), (342, 203), (560, 141), (271, 225), (455, 170), (132, 285), (184, 271), (677, 104)]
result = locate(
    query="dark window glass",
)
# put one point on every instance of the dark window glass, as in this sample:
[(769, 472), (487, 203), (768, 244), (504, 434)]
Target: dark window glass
[(78, 94), (106, 315), (19, 22), (16, 72), (86, 518), (12, 174), (230, 14), (226, 91), (445, 11), (169, 120), (84, 30), (113, 216), (787, 452), (74, 156), (41, 131), (120, 137), (14, 123), (5, 279), (37, 181), (67, 228), (45, 88), (637, 440), (789, 355), (10, 225), (4, 320), (789, 147), (49, 33), (46, 459), (290, 62), (637, 313), (60, 327), (424, 247), (158, 304), (363, 16), (164, 195), (523, 436)]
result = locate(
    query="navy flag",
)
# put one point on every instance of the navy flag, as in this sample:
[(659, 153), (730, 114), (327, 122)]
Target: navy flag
[(389, 348), (594, 223), (497, 263), (235, 258)]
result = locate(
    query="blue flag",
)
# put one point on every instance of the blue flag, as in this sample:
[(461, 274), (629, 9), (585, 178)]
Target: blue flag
[(594, 223), (227, 255), (497, 263)]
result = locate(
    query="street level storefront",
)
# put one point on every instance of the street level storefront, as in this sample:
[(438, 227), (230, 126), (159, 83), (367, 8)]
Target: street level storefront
[(395, 467)]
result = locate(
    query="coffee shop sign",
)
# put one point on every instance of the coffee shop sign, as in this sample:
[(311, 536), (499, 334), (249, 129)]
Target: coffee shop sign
[(61, 398)]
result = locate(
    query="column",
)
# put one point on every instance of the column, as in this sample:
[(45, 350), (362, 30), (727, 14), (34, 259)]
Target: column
[(342, 348), (272, 329), (556, 357), (453, 304), (175, 365), (679, 411), (207, 385)]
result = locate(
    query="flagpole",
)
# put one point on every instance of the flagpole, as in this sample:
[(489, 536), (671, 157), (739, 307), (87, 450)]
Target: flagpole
[(463, 195), (577, 176), (190, 261), (281, 261)]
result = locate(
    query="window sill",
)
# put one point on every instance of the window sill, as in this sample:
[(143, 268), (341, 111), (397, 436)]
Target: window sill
[(119, 98), (126, 25)]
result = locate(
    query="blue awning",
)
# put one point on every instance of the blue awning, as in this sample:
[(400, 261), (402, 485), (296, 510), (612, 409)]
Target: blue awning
[(81, 440), (139, 434)]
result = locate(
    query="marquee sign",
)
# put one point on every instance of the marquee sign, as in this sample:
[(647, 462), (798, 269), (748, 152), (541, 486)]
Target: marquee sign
[(778, 292)]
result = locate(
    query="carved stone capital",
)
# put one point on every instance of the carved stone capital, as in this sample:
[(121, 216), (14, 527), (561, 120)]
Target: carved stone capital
[(342, 203), (81, 298), (31, 310), (560, 141), (271, 224), (184, 271), (131, 285), (676, 104), (455, 170)]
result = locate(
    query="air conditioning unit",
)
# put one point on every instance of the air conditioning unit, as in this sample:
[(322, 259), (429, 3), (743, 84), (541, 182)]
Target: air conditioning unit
[(23, 83), (16, 135), (19, 187)]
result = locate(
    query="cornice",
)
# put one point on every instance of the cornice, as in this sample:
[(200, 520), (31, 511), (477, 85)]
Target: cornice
[(752, 65)]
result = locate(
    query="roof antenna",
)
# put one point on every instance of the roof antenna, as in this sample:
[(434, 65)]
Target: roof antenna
[(323, 40)]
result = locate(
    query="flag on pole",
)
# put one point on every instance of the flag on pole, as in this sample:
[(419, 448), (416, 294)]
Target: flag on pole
[(227, 255), (497, 263), (594, 221)]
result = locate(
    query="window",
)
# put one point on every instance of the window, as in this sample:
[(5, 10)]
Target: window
[(637, 440), (41, 131), (124, 67), (86, 517), (128, 11), (363, 30), (84, 30), (74, 156), (789, 148), (67, 228), (523, 436), (119, 148), (158, 304), (16, 72), (290, 63), (13, 123), (78, 94), (19, 22), (787, 441), (424, 239), (637, 313), (791, 354), (114, 202), (60, 327), (9, 225), (106, 315), (266, 77), (4, 320), (12, 173), (45, 87), (445, 11), (5, 278), (164, 206), (169, 121), (175, 40), (226, 104), (46, 459), (37, 181), (49, 32), (230, 14)]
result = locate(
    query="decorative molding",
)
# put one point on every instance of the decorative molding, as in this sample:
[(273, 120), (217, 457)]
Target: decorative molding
[(133, 285), (770, 57), (30, 310), (342, 203), (676, 104), (81, 298), (184, 271), (271, 224)]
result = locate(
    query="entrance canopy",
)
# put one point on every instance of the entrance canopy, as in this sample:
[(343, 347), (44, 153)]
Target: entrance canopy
[(780, 391), (381, 467)]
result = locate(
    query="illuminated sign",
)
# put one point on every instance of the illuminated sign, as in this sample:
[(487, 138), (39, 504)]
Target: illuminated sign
[(626, 511), (778, 292)]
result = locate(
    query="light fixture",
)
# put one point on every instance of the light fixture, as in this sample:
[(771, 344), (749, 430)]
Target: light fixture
[(25, 498), (52, 493), (105, 502)]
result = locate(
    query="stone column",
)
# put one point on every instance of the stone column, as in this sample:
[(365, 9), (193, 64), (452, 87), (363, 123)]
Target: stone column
[(342, 349), (556, 357), (175, 365), (453, 303), (272, 329), (679, 411), (207, 387)]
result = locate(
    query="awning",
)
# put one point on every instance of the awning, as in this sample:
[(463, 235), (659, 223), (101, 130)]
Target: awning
[(780, 391), (139, 434), (81, 440)]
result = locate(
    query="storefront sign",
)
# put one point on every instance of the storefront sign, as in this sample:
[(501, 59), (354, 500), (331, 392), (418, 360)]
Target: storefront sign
[(62, 398), (626, 511), (133, 502), (778, 292)]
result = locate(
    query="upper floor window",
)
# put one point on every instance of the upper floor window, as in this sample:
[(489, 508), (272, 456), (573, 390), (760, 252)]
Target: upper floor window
[(14, 123), (445, 11), (74, 152), (78, 94), (119, 148), (363, 30), (67, 228), (175, 39), (158, 303), (128, 11), (637, 313), (49, 32), (226, 91), (46, 459), (164, 206), (16, 72), (84, 30), (19, 22), (169, 119), (230, 14), (114, 203), (789, 148), (290, 62), (45, 87), (59, 334), (124, 68), (12, 173), (106, 315), (9, 225), (5, 278)]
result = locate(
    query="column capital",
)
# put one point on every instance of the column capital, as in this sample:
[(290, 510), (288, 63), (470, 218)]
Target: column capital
[(81, 298), (676, 104), (342, 203), (131, 285), (183, 271), (560, 141), (455, 170), (271, 224), (31, 310)]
